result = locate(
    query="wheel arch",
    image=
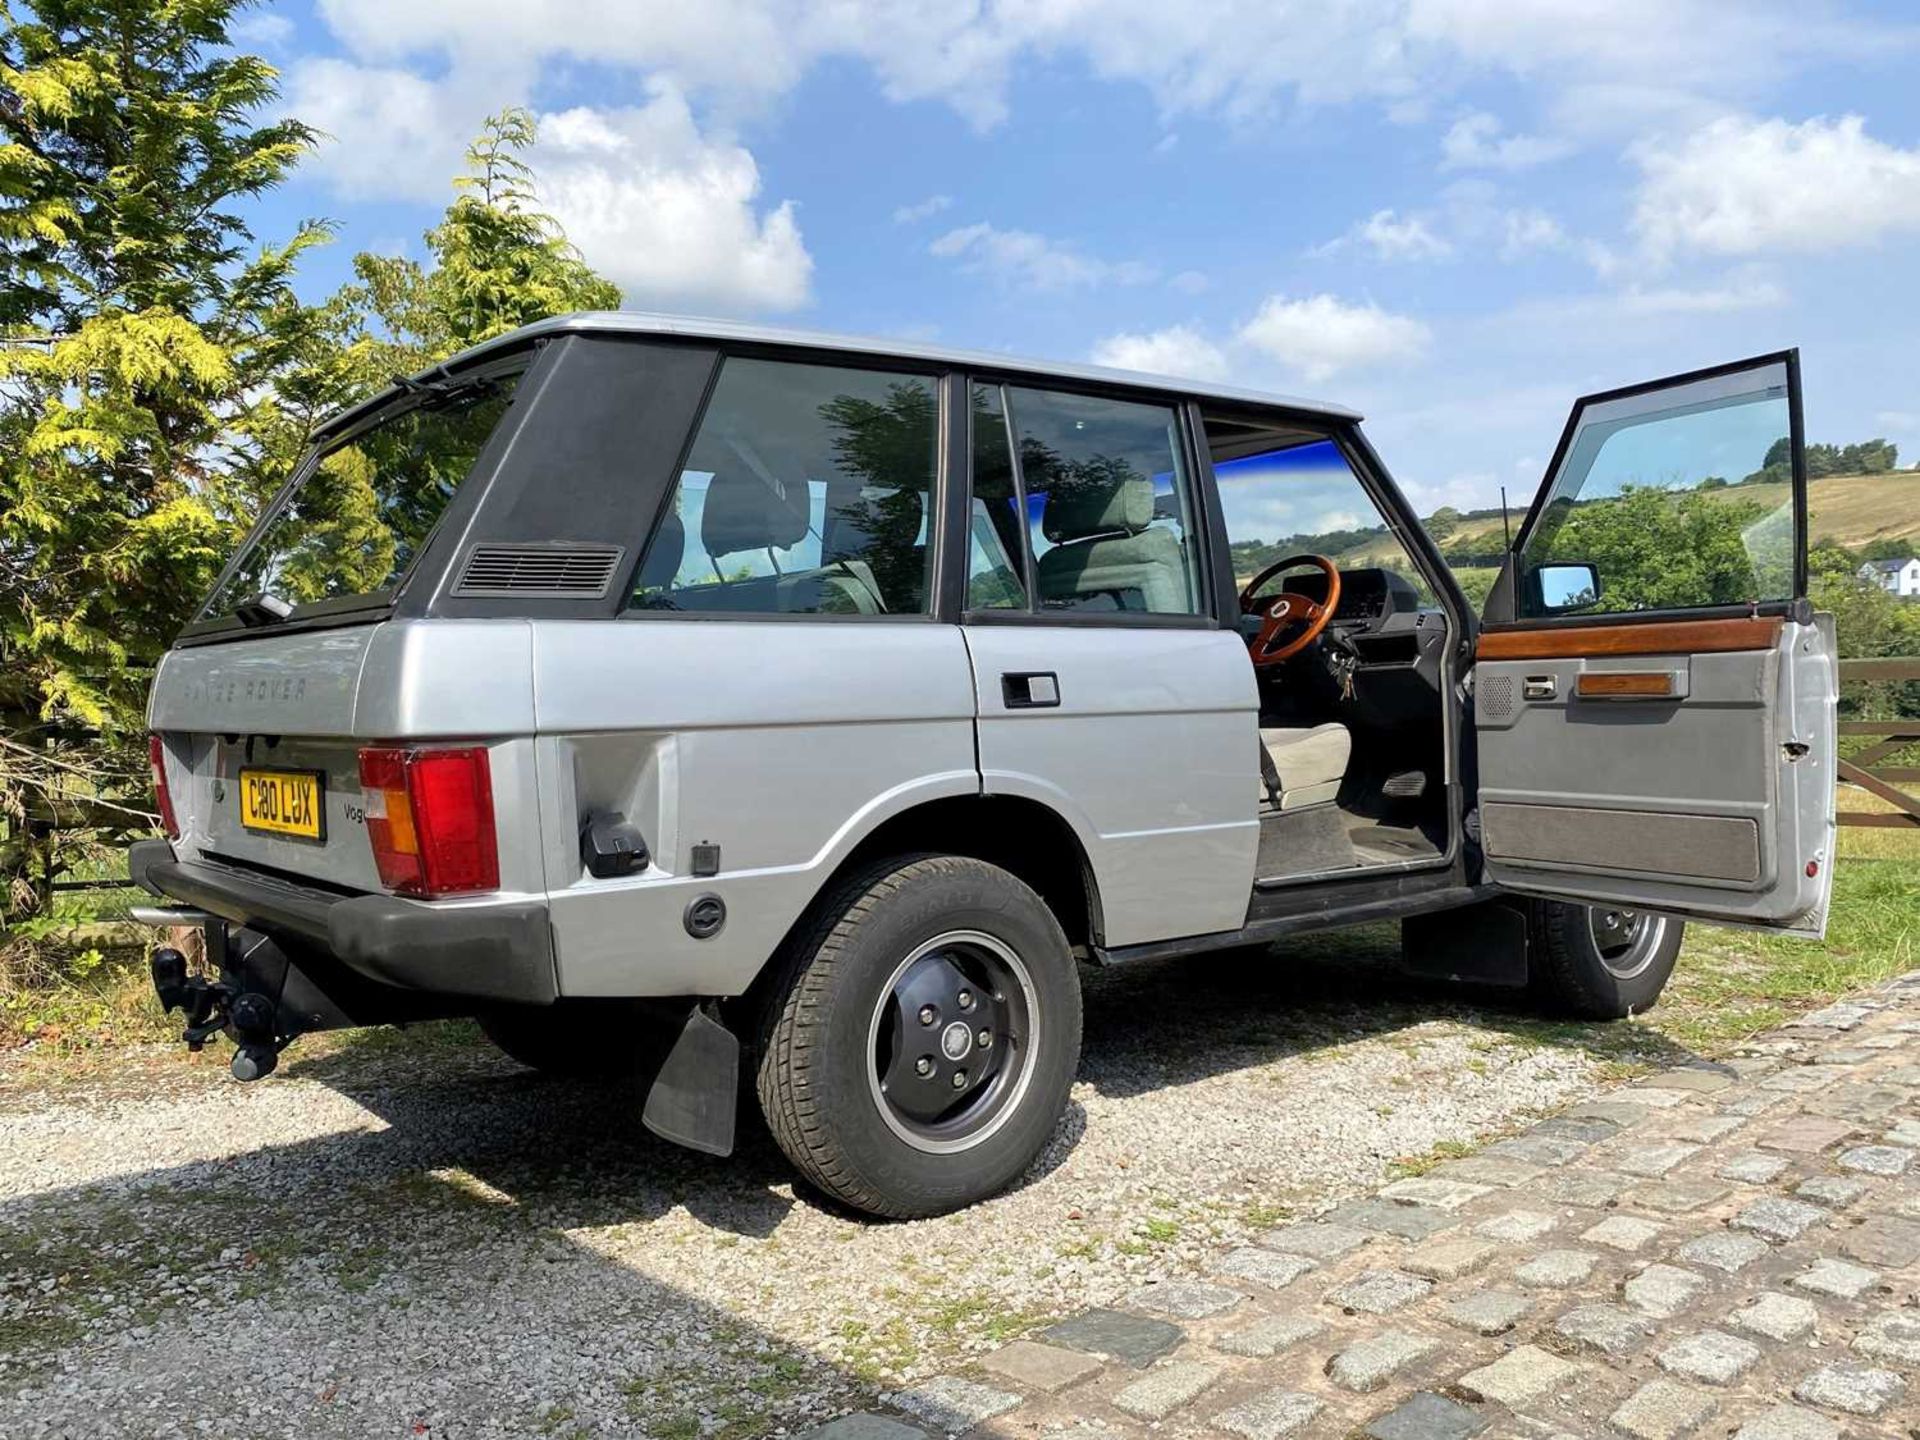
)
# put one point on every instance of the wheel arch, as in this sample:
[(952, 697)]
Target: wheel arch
[(1026, 838)]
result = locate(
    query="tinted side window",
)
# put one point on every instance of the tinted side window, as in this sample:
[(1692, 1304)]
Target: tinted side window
[(807, 491), (1106, 497)]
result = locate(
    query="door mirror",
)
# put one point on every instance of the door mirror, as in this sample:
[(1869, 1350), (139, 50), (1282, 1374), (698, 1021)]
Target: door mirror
[(1564, 585)]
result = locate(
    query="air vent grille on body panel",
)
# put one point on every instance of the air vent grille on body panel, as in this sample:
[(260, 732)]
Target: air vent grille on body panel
[(1495, 693), (569, 570)]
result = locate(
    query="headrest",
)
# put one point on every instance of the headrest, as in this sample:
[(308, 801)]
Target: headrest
[(744, 512), (1080, 505), (662, 564), (858, 519)]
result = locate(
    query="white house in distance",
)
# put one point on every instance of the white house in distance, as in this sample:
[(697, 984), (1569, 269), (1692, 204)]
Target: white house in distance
[(1901, 577)]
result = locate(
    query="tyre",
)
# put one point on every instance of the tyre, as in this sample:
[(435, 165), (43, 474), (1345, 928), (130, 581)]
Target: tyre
[(918, 1041), (577, 1040), (1600, 962)]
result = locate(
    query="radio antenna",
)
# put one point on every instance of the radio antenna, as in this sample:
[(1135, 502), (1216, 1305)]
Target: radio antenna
[(1506, 530)]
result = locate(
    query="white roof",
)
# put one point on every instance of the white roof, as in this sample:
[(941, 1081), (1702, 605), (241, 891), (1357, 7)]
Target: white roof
[(634, 322)]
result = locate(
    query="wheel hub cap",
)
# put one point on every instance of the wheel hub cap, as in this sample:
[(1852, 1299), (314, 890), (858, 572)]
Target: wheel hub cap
[(956, 1042), (949, 1044)]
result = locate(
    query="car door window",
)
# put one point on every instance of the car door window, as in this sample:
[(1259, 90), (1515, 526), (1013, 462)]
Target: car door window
[(1302, 498), (1105, 498), (1678, 498), (807, 491)]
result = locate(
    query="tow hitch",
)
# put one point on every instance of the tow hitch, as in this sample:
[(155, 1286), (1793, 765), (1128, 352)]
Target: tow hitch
[(226, 1005), (213, 1006)]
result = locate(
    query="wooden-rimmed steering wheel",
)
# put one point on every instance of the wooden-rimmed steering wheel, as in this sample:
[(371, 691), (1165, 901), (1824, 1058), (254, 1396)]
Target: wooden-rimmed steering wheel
[(1288, 611)]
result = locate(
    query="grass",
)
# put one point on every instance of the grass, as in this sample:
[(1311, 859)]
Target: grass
[(1732, 984), (1409, 1166)]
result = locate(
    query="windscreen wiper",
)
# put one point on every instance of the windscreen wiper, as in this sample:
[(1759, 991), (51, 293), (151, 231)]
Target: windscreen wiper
[(442, 388)]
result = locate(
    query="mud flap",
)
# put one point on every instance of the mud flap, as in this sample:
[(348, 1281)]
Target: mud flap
[(1484, 944), (695, 1095)]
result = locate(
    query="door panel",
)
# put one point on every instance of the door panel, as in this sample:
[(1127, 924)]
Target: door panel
[(1681, 764), (1691, 792), (1151, 754)]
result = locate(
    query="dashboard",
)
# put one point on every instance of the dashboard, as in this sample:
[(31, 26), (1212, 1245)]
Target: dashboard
[(1368, 597), (1396, 645)]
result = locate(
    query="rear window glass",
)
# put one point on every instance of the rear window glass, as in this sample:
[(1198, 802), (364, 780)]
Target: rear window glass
[(807, 492), (365, 507)]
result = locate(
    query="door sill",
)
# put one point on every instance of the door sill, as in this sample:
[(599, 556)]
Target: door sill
[(1356, 872)]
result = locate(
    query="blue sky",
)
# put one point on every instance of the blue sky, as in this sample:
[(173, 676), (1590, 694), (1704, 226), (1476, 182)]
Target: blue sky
[(1454, 215)]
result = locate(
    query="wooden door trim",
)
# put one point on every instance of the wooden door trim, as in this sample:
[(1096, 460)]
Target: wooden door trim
[(1660, 637)]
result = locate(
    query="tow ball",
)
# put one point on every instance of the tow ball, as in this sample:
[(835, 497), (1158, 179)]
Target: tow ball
[(211, 1007)]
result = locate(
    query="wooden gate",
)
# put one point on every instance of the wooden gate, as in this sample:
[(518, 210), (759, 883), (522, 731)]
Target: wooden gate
[(1868, 767)]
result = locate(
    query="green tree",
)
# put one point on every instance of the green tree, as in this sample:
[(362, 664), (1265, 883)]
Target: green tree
[(1868, 621), (495, 262), (1658, 550), (144, 338), (1442, 523), (1870, 457)]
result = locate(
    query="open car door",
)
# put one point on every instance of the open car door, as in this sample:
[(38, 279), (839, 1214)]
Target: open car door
[(1654, 698)]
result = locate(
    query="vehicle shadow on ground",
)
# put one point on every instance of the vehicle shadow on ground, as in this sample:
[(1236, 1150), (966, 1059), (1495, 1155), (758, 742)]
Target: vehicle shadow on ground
[(1147, 1027), (465, 1153), (1177, 1021)]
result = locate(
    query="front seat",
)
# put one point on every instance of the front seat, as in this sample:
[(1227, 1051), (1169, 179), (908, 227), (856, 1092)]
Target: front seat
[(1310, 762), (1103, 547)]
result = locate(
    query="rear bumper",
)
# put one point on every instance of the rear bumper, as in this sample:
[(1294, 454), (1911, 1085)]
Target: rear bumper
[(499, 951)]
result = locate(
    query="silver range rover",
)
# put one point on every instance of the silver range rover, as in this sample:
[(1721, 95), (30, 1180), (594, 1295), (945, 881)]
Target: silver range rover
[(703, 706)]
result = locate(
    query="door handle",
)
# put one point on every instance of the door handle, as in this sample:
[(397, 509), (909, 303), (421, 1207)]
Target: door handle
[(1629, 685), (1539, 687), (1029, 689)]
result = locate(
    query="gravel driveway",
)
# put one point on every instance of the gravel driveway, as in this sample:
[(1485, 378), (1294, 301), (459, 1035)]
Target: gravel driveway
[(424, 1239)]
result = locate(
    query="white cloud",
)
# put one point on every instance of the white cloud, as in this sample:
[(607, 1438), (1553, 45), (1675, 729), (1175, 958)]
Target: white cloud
[(668, 214), (1321, 335), (1177, 350), (1612, 72), (1595, 314), (1390, 237), (1475, 142), (1751, 293), (1530, 230), (259, 31), (1028, 261), (1741, 186), (922, 209), (1469, 219), (1245, 60), (1190, 282), (389, 133)]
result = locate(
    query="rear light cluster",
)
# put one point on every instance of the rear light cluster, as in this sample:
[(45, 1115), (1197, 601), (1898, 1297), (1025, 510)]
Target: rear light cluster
[(430, 818), (163, 797)]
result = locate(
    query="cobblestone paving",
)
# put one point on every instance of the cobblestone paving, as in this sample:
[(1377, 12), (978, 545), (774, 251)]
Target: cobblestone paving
[(1727, 1250)]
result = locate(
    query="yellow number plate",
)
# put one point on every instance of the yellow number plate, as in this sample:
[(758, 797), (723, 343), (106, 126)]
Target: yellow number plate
[(285, 802)]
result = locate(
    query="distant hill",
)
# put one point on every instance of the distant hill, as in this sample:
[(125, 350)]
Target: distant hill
[(1851, 510)]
